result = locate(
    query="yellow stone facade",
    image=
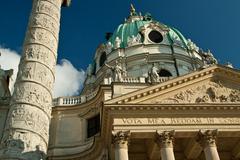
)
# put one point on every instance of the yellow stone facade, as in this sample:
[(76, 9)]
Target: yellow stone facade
[(169, 120)]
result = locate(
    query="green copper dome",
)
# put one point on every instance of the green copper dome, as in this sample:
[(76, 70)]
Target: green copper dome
[(126, 30), (143, 48), (131, 27)]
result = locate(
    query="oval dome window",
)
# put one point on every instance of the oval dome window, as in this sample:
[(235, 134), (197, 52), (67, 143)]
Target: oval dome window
[(155, 36)]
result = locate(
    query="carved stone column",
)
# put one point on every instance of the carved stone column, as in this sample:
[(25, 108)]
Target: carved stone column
[(26, 133), (121, 140), (207, 139), (165, 142)]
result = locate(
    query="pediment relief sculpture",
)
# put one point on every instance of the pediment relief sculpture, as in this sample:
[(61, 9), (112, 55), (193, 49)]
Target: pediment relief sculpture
[(211, 92)]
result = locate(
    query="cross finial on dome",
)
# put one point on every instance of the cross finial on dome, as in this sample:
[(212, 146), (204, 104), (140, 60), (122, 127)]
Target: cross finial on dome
[(132, 10)]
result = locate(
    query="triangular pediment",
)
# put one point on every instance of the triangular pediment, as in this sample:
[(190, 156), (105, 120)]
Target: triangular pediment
[(216, 84)]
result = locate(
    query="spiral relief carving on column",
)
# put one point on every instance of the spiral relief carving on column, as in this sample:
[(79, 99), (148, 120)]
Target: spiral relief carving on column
[(27, 131)]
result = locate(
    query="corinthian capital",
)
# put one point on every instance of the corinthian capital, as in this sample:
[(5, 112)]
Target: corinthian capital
[(207, 138), (121, 138), (165, 139)]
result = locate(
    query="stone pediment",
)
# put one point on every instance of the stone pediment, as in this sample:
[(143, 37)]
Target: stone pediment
[(216, 84), (210, 92)]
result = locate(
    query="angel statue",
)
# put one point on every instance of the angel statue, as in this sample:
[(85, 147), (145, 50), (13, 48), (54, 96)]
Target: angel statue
[(117, 70), (154, 73), (208, 58)]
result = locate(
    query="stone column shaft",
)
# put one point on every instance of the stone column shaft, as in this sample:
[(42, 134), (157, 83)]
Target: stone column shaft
[(165, 142), (27, 130), (207, 140), (121, 140)]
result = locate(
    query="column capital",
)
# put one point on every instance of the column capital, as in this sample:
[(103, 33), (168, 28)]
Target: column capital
[(165, 139), (207, 138), (121, 138), (66, 3)]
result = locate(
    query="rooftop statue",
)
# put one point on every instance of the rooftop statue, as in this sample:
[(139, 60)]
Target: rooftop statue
[(117, 43), (208, 58), (5, 76), (89, 70), (192, 46), (118, 71), (108, 47), (133, 11), (154, 73)]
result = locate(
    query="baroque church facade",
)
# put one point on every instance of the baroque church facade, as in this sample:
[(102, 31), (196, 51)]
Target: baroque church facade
[(149, 94)]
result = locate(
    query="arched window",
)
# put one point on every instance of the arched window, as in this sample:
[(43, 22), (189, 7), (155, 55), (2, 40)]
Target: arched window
[(164, 73), (155, 36), (93, 125), (102, 59)]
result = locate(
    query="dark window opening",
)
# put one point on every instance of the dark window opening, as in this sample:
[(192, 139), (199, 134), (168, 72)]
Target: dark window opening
[(102, 59), (94, 68), (93, 126), (142, 36), (8, 80), (155, 36), (164, 73)]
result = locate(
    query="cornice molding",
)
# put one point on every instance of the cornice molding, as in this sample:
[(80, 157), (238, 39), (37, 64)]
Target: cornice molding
[(210, 72), (175, 107)]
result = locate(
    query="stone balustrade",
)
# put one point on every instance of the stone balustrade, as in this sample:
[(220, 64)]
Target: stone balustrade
[(73, 100), (134, 80)]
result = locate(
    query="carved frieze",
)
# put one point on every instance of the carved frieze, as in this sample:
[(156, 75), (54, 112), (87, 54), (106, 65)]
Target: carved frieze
[(30, 119), (11, 146), (40, 54), (41, 36), (212, 92), (33, 94), (46, 22), (48, 8), (36, 72), (18, 141)]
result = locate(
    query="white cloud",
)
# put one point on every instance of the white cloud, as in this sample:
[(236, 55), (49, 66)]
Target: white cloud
[(68, 82)]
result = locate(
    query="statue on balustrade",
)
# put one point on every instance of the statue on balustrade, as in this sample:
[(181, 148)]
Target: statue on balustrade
[(153, 73), (118, 71), (208, 58)]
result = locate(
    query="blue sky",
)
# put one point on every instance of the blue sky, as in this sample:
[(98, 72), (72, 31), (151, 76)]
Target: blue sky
[(213, 24)]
